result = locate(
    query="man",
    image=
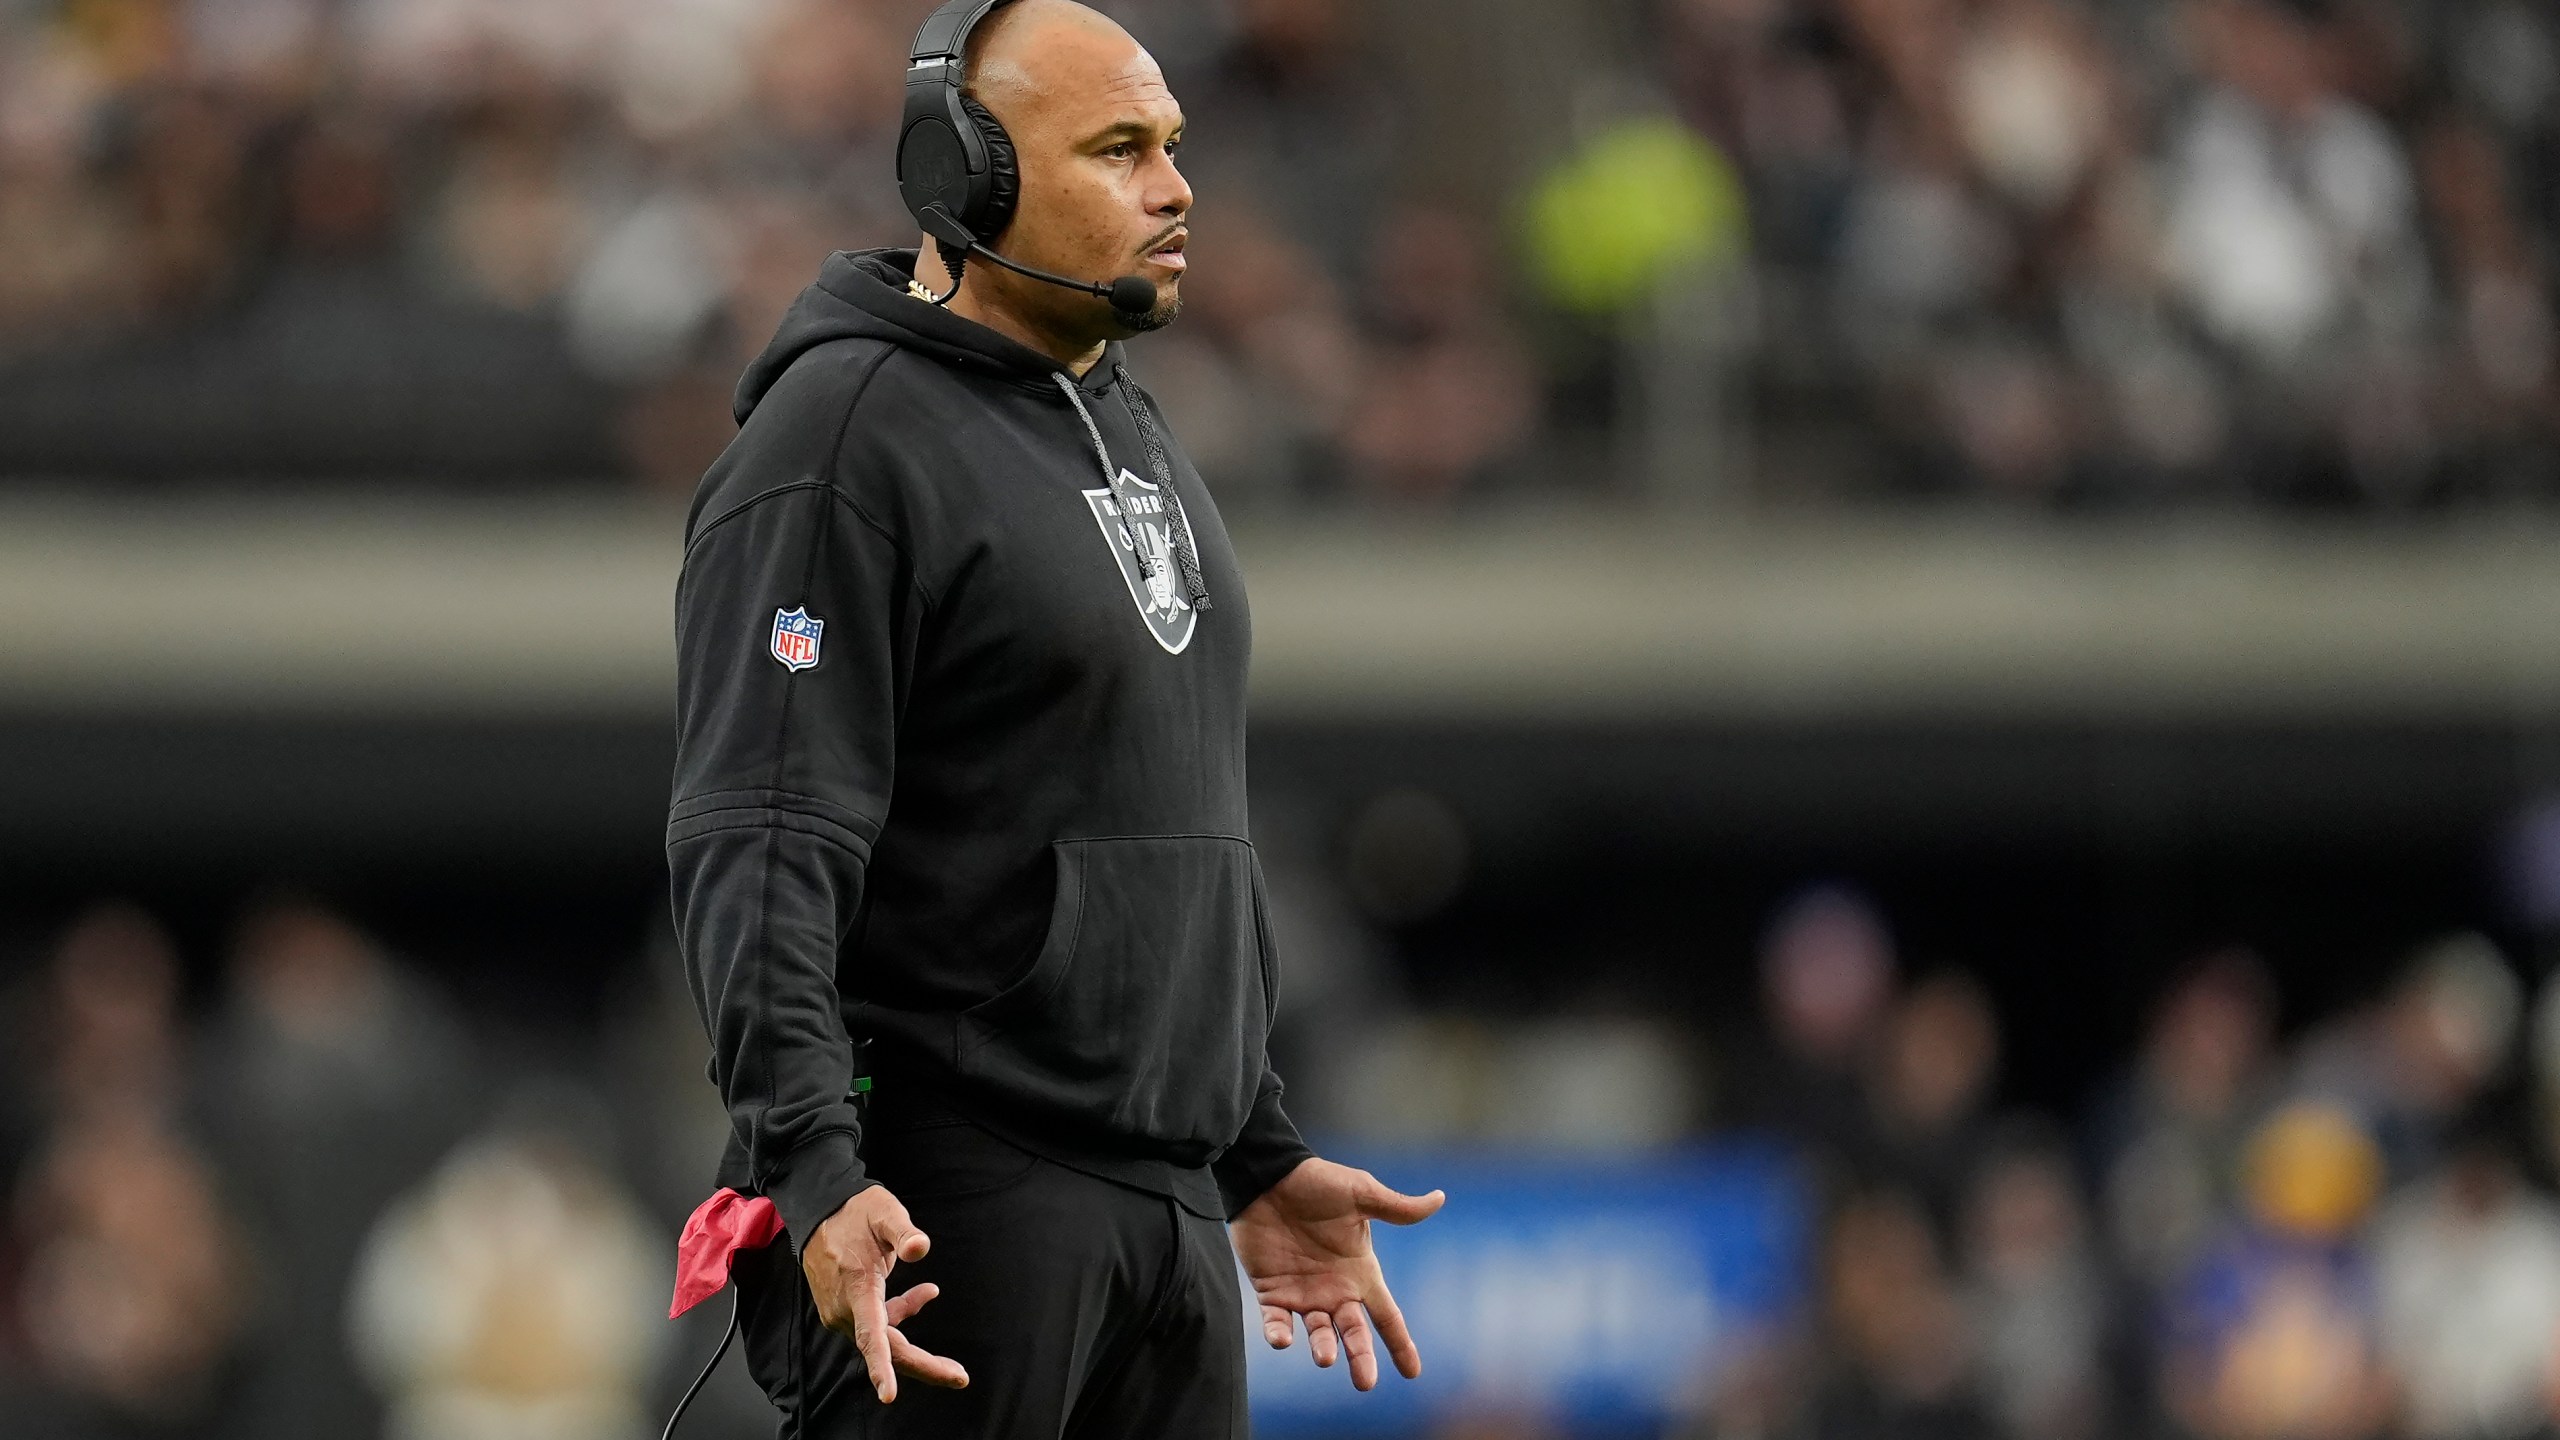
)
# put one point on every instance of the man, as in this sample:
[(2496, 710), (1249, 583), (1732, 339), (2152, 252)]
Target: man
[(962, 652)]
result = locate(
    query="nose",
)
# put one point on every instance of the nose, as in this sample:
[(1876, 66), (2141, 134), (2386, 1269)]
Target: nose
[(1168, 194)]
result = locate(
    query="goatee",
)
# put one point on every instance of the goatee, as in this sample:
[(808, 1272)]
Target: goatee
[(1167, 310)]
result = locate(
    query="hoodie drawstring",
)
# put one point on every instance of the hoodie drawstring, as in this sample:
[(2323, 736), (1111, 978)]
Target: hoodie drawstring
[(1185, 554), (1142, 409)]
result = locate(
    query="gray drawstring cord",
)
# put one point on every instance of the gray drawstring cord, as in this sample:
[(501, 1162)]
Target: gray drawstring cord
[(1148, 565), (1142, 410)]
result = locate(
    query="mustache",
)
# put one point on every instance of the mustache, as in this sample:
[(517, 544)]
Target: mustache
[(1158, 242)]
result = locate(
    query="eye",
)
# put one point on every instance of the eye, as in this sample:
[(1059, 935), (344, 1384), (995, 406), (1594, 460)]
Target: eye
[(1173, 147)]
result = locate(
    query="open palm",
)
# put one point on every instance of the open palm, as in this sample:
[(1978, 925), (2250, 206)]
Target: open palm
[(1305, 1245)]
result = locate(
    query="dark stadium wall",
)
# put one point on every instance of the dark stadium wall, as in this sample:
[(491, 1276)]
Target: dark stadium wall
[(2067, 866)]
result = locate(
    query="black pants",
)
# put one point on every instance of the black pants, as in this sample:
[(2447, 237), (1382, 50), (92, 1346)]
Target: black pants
[(1082, 1308)]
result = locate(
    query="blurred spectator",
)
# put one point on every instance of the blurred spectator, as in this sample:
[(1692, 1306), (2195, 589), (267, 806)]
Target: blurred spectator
[(2275, 1331), (2409, 1066), (1928, 1093), (1449, 387), (131, 1285), (2169, 1139), (518, 1296), (511, 213), (332, 1081), (2470, 1274), (1293, 117), (2292, 232), (134, 1290), (73, 246), (1827, 972), (2496, 272), (1897, 1359), (2038, 1295), (111, 1043), (2291, 207)]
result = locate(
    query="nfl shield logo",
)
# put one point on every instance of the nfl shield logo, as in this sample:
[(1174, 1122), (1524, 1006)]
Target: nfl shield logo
[(795, 638)]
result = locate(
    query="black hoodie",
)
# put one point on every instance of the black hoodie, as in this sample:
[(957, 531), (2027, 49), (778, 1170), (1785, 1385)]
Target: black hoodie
[(961, 767)]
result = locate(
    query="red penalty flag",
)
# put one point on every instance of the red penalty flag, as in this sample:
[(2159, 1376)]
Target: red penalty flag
[(720, 1227)]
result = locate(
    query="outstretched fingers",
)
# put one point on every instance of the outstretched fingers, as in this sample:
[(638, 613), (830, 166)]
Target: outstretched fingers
[(905, 1356), (1392, 1329), (871, 1337), (1275, 1327), (1357, 1343), (902, 1307), (1397, 1208), (926, 1366), (1320, 1339), (874, 1327)]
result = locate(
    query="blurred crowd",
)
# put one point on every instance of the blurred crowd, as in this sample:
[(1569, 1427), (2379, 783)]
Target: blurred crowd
[(322, 1202), (2116, 250), (2349, 1235), (314, 1198), (466, 239), (2262, 1226), (2053, 250)]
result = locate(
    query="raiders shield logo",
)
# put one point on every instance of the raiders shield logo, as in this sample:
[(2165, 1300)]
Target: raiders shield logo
[(1142, 518)]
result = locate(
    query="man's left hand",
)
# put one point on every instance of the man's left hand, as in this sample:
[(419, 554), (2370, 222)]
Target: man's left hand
[(1305, 1245)]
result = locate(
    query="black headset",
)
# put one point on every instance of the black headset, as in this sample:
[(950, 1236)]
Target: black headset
[(956, 167)]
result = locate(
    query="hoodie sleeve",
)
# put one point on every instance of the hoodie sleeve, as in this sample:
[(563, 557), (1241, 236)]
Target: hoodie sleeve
[(786, 738), (1265, 1151), (1268, 1147)]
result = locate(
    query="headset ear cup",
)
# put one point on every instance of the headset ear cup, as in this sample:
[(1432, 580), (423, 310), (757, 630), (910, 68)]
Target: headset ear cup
[(933, 169), (1004, 177)]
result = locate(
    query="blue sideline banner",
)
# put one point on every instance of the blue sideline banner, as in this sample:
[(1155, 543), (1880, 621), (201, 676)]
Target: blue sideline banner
[(1593, 1290)]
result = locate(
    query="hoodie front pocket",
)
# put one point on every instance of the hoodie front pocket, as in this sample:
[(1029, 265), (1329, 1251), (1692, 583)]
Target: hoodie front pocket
[(1147, 1006)]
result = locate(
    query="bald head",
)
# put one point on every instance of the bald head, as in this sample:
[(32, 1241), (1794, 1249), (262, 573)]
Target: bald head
[(1030, 47), (1094, 130)]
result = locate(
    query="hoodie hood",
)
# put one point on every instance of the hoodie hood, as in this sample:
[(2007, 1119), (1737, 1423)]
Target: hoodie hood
[(862, 294)]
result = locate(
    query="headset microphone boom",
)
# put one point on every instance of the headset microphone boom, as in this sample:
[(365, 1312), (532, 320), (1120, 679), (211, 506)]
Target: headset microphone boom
[(1130, 294)]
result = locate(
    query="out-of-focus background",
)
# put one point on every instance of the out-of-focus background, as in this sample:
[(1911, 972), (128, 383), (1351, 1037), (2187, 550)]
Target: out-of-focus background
[(1907, 720)]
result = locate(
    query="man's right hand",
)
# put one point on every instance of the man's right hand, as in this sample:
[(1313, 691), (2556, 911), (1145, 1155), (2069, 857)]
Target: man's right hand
[(847, 1262)]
